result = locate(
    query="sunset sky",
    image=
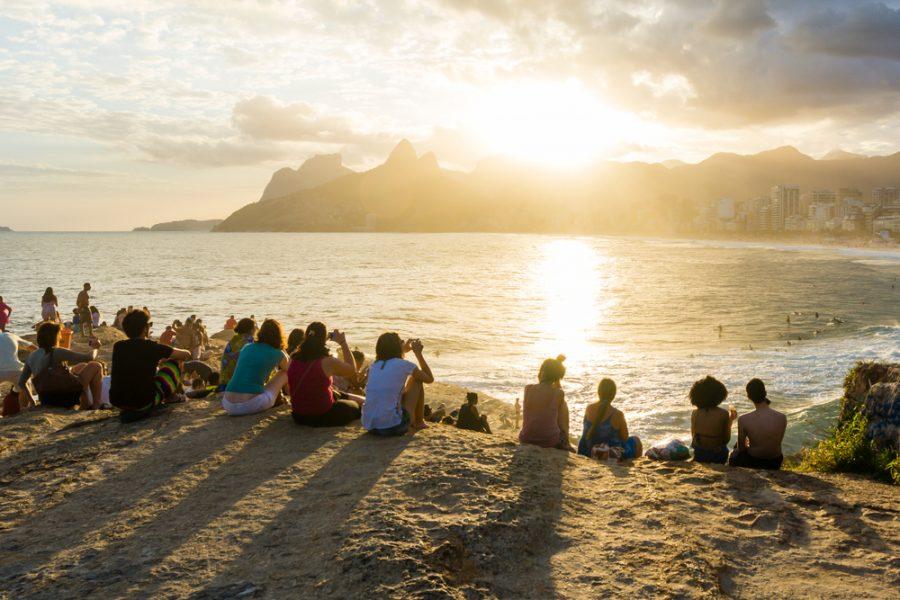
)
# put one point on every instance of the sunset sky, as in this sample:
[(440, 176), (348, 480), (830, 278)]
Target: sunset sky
[(118, 114)]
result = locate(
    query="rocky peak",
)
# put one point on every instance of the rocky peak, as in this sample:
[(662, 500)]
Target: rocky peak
[(403, 153)]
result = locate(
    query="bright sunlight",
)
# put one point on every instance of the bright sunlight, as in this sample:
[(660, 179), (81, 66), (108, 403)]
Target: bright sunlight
[(553, 123)]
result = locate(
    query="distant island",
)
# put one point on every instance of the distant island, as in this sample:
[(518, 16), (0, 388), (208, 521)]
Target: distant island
[(5, 229), (780, 193), (185, 225)]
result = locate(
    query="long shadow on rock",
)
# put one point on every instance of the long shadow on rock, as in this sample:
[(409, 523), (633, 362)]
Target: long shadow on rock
[(302, 539), (90, 508)]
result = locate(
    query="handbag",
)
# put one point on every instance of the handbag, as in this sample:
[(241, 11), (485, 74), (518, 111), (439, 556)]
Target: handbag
[(56, 380)]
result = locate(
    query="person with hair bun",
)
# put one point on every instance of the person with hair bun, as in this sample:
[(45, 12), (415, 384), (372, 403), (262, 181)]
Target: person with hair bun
[(604, 424), (243, 335), (545, 414), (710, 424), (760, 433)]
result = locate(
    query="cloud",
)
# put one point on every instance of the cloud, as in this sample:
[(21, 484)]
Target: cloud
[(739, 18), (18, 170), (867, 29), (264, 118)]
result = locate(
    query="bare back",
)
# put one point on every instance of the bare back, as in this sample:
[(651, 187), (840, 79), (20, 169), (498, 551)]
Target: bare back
[(762, 432)]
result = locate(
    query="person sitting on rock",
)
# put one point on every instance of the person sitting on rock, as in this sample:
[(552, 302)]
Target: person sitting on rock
[(311, 375), (710, 424), (260, 375), (395, 392), (604, 424), (469, 417), (243, 335), (760, 433), (545, 414), (137, 387)]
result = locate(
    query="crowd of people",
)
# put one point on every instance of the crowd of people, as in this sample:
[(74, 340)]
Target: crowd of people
[(262, 368)]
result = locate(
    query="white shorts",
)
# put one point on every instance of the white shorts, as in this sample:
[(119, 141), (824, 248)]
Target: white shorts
[(263, 401)]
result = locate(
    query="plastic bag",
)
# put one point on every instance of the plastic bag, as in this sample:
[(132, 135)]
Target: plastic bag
[(671, 450)]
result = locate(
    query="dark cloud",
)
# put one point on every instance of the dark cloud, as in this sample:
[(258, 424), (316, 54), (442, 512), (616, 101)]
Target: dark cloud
[(864, 29), (729, 64), (739, 18)]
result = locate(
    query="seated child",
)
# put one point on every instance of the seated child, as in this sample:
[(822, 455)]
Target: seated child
[(469, 418)]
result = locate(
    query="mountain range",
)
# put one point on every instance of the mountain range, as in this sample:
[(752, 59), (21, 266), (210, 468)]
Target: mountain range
[(409, 192)]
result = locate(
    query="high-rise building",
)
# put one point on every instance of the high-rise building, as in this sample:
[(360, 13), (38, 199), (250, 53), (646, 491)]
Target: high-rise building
[(886, 197), (823, 197), (785, 203), (851, 194)]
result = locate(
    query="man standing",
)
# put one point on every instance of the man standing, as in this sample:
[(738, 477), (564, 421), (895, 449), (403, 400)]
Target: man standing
[(760, 433), (83, 304)]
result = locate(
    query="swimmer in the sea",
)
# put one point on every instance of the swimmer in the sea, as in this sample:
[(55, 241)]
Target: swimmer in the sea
[(789, 319)]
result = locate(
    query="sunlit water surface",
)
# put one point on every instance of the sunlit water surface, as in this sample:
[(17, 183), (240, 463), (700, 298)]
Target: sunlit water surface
[(490, 307)]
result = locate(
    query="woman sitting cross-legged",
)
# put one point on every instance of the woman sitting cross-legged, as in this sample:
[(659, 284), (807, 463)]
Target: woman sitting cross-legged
[(310, 376), (395, 394), (545, 414), (604, 424), (63, 390), (710, 424), (251, 389)]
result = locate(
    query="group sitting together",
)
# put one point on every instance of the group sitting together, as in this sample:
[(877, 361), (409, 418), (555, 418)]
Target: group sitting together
[(545, 422), (260, 368)]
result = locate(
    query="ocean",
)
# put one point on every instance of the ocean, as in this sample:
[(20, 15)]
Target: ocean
[(491, 307)]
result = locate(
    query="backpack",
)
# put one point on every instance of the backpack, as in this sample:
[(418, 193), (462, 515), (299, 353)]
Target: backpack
[(56, 380), (11, 403)]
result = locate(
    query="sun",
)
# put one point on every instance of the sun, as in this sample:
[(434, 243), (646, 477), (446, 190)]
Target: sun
[(557, 124)]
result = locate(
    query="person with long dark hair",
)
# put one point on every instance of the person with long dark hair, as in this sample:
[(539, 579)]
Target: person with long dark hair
[(260, 375), (710, 424), (311, 379), (605, 424), (86, 373), (395, 391), (49, 306), (545, 414)]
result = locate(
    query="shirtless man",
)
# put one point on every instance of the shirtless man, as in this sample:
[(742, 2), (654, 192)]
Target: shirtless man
[(759, 433), (83, 303)]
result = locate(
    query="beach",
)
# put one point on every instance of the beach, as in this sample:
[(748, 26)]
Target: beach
[(195, 504)]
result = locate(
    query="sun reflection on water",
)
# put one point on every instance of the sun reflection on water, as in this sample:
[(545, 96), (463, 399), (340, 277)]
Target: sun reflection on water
[(571, 280)]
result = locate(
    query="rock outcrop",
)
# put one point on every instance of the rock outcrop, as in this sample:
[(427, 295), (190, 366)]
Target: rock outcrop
[(312, 173)]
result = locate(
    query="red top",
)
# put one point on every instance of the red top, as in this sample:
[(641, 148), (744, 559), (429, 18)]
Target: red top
[(311, 391)]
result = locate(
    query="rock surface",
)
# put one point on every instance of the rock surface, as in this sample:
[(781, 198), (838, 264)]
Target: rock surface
[(195, 504)]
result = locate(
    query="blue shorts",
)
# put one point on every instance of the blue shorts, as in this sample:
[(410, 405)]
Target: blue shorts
[(705, 455), (399, 429), (629, 448)]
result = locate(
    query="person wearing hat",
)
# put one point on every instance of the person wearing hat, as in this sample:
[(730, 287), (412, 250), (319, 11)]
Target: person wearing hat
[(760, 433)]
